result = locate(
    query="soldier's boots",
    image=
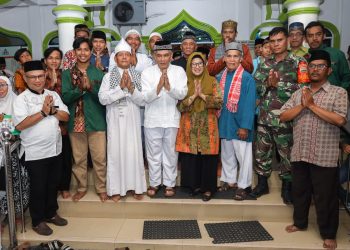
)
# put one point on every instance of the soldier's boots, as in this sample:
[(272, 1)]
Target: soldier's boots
[(286, 192), (261, 188)]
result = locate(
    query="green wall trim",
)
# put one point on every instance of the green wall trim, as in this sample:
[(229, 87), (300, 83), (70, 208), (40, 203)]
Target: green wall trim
[(265, 33), (70, 7), (306, 10), (268, 10), (110, 31), (89, 20), (2, 2), (287, 2), (268, 24), (69, 20), (102, 16), (335, 32), (17, 34), (94, 1), (47, 39), (184, 16)]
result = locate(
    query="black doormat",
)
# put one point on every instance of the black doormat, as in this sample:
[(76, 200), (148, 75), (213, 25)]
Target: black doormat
[(184, 193), (171, 229), (241, 231)]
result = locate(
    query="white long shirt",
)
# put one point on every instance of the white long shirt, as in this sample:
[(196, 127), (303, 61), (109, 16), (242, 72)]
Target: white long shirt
[(42, 140), (161, 110), (125, 166)]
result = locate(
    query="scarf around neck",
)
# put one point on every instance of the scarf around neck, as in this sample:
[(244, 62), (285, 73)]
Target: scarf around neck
[(235, 89)]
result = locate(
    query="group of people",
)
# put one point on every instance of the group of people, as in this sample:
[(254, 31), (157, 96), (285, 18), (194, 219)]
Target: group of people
[(106, 110)]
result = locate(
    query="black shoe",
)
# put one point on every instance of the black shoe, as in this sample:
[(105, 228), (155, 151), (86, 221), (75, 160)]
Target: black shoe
[(43, 229), (261, 188), (286, 192), (195, 192), (206, 196), (57, 220)]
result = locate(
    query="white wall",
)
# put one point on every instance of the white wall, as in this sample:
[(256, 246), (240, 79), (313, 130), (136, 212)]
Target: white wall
[(37, 20)]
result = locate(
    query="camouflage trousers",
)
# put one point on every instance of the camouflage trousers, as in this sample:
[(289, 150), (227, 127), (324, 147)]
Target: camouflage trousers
[(270, 138)]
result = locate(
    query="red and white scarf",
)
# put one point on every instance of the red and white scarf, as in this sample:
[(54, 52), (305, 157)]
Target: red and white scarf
[(235, 89)]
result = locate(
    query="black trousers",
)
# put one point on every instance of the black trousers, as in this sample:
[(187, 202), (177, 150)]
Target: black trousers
[(321, 183), (44, 176), (67, 162), (199, 171)]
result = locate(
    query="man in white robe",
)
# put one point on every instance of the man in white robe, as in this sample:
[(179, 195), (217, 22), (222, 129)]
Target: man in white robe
[(120, 91), (163, 85)]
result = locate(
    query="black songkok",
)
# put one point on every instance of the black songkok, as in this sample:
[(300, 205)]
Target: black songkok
[(162, 45), (189, 35), (33, 65), (320, 55), (98, 34), (258, 41)]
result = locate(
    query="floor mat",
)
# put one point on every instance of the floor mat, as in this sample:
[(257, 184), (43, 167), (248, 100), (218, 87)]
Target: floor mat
[(183, 193), (241, 231), (171, 229)]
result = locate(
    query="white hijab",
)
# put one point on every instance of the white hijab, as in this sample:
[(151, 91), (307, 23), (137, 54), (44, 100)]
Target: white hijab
[(7, 101)]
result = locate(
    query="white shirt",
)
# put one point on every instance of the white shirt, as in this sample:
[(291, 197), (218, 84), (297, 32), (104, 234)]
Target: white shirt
[(161, 110), (42, 140), (143, 62)]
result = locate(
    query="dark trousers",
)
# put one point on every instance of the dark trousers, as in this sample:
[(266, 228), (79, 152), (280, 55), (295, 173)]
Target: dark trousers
[(321, 183), (199, 171), (44, 176), (67, 162)]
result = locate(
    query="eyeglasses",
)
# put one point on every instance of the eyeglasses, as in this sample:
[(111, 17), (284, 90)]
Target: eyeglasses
[(317, 66), (199, 65), (2, 86), (34, 78)]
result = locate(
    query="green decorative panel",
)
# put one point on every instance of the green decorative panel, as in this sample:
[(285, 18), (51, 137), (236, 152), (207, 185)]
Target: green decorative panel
[(16, 34), (49, 36), (2, 2), (183, 16)]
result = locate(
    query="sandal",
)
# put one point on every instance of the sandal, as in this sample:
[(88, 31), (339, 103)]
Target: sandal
[(206, 196), (78, 195), (152, 191), (103, 196), (169, 192), (240, 194), (225, 187), (115, 197)]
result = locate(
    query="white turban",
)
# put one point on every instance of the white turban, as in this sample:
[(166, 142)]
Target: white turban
[(122, 46), (155, 34), (132, 32)]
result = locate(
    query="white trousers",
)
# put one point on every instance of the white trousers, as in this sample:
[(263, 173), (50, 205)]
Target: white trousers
[(234, 152), (160, 151)]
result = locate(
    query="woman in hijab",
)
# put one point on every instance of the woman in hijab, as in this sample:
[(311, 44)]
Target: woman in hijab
[(7, 96), (53, 59), (198, 135)]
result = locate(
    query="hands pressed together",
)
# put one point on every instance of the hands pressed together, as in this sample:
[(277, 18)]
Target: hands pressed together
[(48, 107), (126, 82)]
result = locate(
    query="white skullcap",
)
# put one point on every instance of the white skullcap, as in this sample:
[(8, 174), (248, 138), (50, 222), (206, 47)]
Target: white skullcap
[(155, 34), (122, 46), (132, 32)]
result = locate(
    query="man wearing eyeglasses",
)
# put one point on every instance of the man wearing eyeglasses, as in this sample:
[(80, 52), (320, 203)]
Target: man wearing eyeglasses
[(340, 75), (37, 113), (296, 39), (318, 111)]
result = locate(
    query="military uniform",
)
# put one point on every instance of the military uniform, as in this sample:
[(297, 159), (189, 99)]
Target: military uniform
[(271, 131)]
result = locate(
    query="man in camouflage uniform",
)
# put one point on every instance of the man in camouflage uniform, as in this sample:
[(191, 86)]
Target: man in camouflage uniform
[(276, 81)]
